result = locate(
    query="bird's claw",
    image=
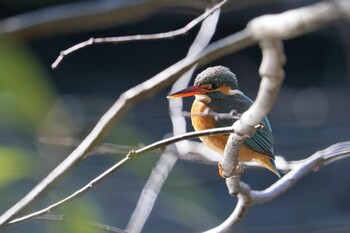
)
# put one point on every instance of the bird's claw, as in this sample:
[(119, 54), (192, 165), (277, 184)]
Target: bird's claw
[(237, 171)]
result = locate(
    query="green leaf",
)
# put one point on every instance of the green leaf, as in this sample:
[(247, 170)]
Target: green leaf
[(25, 93), (15, 165)]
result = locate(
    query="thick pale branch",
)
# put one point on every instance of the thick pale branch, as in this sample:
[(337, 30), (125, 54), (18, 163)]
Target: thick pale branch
[(295, 22), (269, 30), (313, 163), (272, 76), (122, 105), (167, 161), (238, 214), (148, 88), (247, 197)]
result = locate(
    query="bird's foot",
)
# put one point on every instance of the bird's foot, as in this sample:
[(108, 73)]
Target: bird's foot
[(235, 171)]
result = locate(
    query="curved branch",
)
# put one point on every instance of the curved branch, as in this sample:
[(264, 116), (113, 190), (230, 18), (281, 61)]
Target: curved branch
[(269, 30), (243, 205), (87, 15), (272, 76), (167, 161), (148, 88), (129, 157), (122, 105), (120, 39), (92, 15), (313, 163), (247, 197)]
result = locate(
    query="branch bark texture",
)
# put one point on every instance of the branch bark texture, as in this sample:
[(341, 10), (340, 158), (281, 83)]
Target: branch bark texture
[(268, 31)]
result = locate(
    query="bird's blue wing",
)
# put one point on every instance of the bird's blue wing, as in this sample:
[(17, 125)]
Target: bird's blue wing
[(262, 140)]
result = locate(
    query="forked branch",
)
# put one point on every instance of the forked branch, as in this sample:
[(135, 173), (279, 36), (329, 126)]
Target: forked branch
[(248, 198), (266, 30)]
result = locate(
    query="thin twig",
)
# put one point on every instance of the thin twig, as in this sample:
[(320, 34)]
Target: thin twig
[(99, 226), (157, 36), (129, 157), (326, 12), (167, 161), (103, 148), (129, 98)]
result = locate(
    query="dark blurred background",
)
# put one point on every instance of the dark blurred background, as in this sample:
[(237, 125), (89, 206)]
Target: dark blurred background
[(38, 103)]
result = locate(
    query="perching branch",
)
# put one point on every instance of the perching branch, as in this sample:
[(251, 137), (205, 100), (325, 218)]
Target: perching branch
[(272, 75), (114, 114), (266, 29), (248, 198), (158, 36), (269, 30)]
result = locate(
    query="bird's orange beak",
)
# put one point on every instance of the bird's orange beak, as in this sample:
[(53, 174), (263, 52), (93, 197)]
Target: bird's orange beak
[(189, 91)]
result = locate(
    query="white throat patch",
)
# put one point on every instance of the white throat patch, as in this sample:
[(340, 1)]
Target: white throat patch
[(203, 98)]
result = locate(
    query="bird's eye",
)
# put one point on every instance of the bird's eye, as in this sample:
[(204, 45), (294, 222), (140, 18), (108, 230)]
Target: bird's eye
[(214, 85)]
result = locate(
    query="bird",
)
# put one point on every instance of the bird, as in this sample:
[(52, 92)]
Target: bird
[(216, 90)]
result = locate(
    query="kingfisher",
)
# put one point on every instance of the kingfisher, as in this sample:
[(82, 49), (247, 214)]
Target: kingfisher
[(216, 91)]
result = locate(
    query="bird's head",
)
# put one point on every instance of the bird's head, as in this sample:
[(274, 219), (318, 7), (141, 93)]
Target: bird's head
[(213, 83)]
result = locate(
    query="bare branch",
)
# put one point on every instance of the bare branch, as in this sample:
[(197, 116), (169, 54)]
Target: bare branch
[(76, 194), (129, 157), (247, 197), (82, 16), (297, 22), (158, 36), (217, 115), (167, 161), (243, 205), (268, 30), (313, 163), (92, 15), (272, 76), (148, 88), (104, 148), (99, 226), (106, 228), (199, 153), (125, 102), (150, 192)]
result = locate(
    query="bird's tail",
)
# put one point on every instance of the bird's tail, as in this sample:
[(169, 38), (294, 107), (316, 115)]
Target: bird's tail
[(274, 168), (269, 164)]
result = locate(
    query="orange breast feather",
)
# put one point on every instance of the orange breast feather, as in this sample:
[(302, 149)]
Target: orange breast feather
[(218, 142)]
